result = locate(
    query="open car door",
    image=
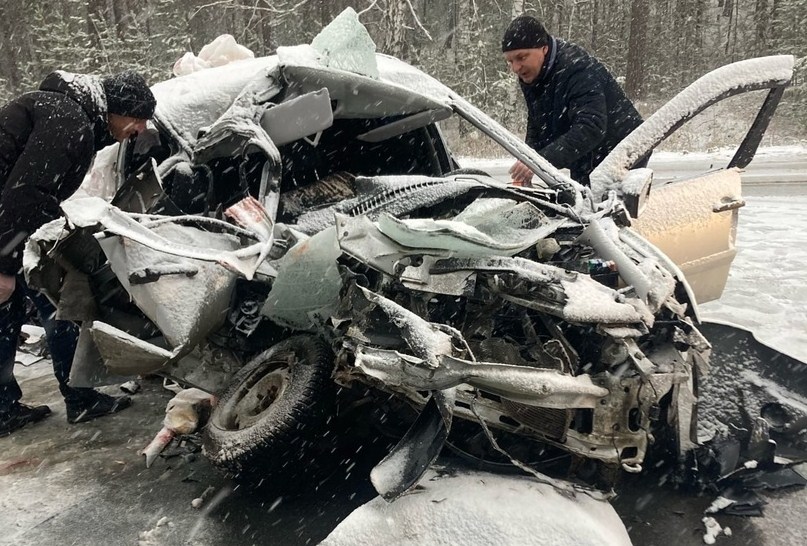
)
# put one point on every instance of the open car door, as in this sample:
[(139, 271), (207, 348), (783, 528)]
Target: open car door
[(694, 221)]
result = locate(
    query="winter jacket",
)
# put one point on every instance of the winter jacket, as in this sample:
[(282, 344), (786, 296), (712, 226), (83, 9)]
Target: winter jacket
[(48, 139), (577, 112)]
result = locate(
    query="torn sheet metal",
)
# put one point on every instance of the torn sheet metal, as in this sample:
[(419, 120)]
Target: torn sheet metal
[(532, 386), (91, 211), (185, 308), (305, 292), (426, 341), (124, 354), (403, 467)]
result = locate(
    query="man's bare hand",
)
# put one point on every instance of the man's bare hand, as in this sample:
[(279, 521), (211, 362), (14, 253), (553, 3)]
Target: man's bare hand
[(520, 174), (7, 285)]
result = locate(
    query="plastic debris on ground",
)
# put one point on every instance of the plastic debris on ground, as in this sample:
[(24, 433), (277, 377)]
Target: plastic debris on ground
[(131, 387), (184, 414), (713, 530), (738, 464)]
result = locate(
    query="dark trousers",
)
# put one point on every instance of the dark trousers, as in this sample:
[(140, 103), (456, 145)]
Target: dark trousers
[(61, 336)]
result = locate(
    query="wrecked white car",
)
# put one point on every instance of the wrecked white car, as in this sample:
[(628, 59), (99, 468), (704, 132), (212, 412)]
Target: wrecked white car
[(297, 222)]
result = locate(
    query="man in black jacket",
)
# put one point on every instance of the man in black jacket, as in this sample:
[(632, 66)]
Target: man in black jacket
[(48, 139), (577, 113)]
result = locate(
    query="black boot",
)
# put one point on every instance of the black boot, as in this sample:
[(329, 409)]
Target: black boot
[(20, 415), (89, 404)]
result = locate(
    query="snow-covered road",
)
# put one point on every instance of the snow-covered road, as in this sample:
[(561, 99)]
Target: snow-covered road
[(766, 291), (780, 166), (773, 170)]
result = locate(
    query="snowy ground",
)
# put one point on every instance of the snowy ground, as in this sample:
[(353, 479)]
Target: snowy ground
[(766, 291)]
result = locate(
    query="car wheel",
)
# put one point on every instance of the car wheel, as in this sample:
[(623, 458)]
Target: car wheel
[(271, 416)]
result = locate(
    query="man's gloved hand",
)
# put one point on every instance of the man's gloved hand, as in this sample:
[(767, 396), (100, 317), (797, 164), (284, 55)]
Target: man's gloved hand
[(7, 285), (521, 175)]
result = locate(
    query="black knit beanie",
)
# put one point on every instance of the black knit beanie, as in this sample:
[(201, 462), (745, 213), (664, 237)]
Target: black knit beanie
[(524, 32), (128, 94)]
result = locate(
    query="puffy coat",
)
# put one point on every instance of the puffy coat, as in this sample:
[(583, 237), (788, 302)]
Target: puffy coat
[(577, 112), (48, 139)]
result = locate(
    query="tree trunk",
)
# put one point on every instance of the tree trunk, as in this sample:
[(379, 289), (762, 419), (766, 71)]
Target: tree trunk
[(518, 8), (558, 17), (8, 58), (267, 35), (96, 25), (637, 49), (122, 16), (393, 28), (762, 20)]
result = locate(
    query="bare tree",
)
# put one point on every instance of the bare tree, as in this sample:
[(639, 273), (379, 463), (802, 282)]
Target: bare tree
[(518, 8), (393, 25), (762, 19), (637, 48)]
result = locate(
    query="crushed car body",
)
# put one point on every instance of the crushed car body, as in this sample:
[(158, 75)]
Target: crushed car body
[(300, 223)]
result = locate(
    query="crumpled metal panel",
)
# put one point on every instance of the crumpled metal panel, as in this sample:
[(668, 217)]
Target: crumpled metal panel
[(125, 354), (184, 308), (306, 289), (434, 366), (461, 237)]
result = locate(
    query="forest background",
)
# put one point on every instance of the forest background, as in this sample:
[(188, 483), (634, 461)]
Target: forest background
[(655, 48)]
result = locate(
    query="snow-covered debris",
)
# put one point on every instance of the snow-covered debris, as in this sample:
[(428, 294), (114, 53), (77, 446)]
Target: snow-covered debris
[(183, 415), (751, 73), (222, 50), (200, 98), (713, 530), (477, 508), (157, 535), (345, 44)]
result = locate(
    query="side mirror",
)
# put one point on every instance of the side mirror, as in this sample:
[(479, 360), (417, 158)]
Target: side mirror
[(299, 117), (635, 190)]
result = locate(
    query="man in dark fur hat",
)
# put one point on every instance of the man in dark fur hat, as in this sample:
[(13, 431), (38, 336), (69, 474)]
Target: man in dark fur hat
[(48, 139)]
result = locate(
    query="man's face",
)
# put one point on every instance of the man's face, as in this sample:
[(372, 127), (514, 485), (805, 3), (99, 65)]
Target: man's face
[(526, 63), (122, 127)]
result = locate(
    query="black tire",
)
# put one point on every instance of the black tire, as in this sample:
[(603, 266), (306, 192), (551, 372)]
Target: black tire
[(268, 423)]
